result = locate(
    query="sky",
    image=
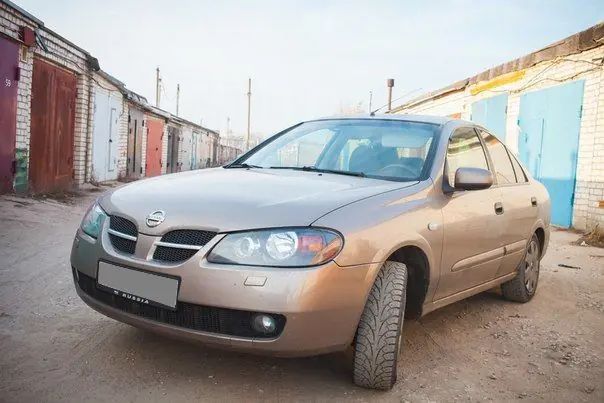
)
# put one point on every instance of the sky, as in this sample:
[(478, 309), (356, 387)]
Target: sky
[(306, 58)]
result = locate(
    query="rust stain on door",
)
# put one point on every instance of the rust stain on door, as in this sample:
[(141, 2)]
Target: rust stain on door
[(52, 128), (9, 72)]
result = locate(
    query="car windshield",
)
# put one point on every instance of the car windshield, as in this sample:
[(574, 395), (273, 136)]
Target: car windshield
[(382, 149)]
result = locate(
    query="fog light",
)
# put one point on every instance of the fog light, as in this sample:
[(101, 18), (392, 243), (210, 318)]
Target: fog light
[(263, 323)]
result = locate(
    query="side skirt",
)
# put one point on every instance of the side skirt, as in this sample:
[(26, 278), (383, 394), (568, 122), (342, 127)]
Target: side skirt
[(431, 306)]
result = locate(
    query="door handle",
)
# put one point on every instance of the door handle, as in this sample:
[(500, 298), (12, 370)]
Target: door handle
[(498, 208), (534, 201)]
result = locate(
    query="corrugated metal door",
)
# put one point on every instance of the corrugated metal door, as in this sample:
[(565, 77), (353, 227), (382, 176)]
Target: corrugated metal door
[(9, 67), (155, 131), (107, 108), (52, 128), (135, 142), (492, 114), (550, 122)]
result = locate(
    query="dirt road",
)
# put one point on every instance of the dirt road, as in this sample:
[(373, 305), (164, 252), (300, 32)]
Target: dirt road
[(54, 348)]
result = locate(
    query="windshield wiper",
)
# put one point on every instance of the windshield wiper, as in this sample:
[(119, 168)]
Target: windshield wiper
[(242, 165), (321, 170)]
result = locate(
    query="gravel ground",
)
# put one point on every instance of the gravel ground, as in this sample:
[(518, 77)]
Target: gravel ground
[(54, 348)]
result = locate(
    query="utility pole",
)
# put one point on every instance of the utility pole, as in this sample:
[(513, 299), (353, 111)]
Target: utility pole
[(177, 97), (249, 110), (370, 100), (390, 84), (157, 87)]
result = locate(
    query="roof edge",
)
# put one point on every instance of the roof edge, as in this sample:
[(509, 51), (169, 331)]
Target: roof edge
[(582, 41)]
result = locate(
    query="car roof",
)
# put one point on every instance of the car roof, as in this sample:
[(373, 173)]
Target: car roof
[(438, 120)]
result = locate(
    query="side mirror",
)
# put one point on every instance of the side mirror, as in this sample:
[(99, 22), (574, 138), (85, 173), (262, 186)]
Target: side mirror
[(473, 179)]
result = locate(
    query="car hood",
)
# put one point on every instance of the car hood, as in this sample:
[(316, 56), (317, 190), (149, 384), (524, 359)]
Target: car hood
[(223, 200)]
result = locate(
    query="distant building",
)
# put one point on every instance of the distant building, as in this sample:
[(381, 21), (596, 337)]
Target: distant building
[(65, 122), (239, 141)]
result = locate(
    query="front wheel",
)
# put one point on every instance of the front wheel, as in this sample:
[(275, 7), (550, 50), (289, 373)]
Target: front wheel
[(379, 334), (523, 287)]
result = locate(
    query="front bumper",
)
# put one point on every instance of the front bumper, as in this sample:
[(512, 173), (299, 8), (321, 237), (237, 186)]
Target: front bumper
[(322, 305)]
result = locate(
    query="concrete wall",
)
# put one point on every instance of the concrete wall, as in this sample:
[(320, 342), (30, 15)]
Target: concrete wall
[(589, 189)]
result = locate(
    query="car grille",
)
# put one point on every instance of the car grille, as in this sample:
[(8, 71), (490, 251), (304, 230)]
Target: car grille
[(191, 240), (123, 230), (123, 225), (225, 321)]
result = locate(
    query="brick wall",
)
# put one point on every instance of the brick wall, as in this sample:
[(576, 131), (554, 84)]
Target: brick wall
[(61, 53), (164, 150), (589, 189), (122, 149)]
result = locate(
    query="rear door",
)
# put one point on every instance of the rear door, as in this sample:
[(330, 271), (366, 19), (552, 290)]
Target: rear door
[(518, 200), (472, 249)]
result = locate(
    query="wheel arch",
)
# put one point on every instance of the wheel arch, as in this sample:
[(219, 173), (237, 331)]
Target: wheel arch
[(418, 276)]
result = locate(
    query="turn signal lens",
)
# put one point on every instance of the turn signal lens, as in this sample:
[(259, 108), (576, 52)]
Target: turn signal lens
[(93, 221)]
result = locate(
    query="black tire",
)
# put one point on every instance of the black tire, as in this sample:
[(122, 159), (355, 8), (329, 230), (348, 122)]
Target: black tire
[(522, 288), (379, 334)]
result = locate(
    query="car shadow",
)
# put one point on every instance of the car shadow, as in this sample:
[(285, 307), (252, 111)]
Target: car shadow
[(185, 363)]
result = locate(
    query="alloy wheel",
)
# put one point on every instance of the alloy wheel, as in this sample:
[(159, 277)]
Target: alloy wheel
[(531, 266)]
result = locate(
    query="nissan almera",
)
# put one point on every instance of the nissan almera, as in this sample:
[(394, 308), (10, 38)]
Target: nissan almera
[(322, 238)]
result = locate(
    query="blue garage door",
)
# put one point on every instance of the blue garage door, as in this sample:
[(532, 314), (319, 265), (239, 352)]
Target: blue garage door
[(492, 114), (550, 121)]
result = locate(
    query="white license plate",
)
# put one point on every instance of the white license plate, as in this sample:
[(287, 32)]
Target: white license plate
[(140, 286)]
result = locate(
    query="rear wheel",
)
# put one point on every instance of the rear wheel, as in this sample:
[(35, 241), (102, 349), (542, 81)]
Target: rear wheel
[(379, 335), (523, 287)]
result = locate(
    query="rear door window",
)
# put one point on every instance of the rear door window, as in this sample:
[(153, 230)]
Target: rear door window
[(501, 160), (520, 176)]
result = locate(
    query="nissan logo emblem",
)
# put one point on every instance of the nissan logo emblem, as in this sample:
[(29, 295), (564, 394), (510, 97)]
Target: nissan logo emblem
[(155, 218)]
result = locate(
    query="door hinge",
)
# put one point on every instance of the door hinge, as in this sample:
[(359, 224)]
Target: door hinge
[(580, 111), (572, 199)]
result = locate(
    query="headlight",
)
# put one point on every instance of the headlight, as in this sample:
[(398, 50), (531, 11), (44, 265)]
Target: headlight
[(284, 247), (93, 220)]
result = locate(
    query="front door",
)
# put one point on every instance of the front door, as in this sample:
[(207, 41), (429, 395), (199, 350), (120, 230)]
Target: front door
[(9, 70), (472, 250), (550, 121)]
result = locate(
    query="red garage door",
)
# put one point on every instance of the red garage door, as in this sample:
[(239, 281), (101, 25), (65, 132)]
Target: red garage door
[(52, 127), (155, 131), (9, 64)]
